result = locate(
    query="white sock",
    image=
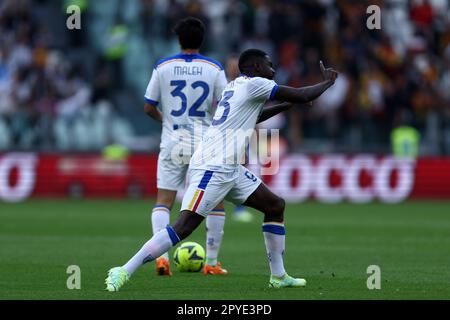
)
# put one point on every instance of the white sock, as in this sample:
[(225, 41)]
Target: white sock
[(160, 220), (214, 234), (274, 238), (157, 245)]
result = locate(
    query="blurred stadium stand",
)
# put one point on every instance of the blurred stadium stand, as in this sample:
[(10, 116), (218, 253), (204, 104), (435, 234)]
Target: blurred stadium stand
[(80, 90)]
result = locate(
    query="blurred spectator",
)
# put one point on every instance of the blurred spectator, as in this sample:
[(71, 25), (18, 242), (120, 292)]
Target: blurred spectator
[(422, 13), (44, 93)]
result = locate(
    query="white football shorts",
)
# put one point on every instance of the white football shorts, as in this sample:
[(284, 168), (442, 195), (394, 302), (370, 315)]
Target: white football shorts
[(170, 175), (208, 188)]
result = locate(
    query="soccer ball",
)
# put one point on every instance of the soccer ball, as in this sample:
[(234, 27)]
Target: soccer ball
[(189, 257)]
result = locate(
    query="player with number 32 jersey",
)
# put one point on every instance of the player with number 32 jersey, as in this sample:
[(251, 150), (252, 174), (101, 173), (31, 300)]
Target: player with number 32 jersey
[(195, 83), (182, 93)]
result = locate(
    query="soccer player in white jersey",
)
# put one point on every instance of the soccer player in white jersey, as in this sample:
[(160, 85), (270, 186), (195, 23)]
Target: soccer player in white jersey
[(184, 87), (214, 176)]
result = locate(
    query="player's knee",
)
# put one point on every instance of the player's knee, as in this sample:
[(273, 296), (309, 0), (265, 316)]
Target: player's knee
[(278, 205), (275, 211), (165, 197)]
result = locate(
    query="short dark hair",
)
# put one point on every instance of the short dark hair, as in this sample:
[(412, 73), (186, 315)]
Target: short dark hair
[(249, 57), (190, 32)]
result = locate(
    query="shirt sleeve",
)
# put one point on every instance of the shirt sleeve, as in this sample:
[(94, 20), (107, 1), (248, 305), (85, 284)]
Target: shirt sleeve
[(262, 89), (153, 92), (220, 84)]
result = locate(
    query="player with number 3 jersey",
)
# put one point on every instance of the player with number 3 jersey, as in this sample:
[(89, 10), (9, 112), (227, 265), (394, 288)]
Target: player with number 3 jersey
[(215, 176)]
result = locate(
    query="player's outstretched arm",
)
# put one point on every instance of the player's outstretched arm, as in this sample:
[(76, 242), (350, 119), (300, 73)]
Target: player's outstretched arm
[(307, 94), (153, 112), (271, 111)]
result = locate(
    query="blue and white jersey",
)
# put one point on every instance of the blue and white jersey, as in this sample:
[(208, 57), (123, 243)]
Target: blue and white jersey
[(223, 145), (184, 88)]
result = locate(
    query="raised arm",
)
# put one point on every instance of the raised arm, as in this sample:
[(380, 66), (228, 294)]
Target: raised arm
[(309, 93)]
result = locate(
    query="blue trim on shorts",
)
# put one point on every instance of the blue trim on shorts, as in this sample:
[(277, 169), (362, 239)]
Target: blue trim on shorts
[(205, 180), (274, 229), (173, 235)]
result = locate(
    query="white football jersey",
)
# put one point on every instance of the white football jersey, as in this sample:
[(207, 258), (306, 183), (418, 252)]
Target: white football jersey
[(223, 145), (184, 88)]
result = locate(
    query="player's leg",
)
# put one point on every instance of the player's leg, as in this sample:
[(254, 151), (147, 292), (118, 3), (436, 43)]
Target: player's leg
[(170, 178), (160, 243), (202, 195), (207, 198), (215, 222), (160, 218), (197, 202), (255, 194), (161, 211)]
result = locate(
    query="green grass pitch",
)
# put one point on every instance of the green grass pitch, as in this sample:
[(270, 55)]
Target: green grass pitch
[(330, 245)]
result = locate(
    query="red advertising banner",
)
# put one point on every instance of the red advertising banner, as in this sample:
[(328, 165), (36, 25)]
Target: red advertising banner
[(327, 178)]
